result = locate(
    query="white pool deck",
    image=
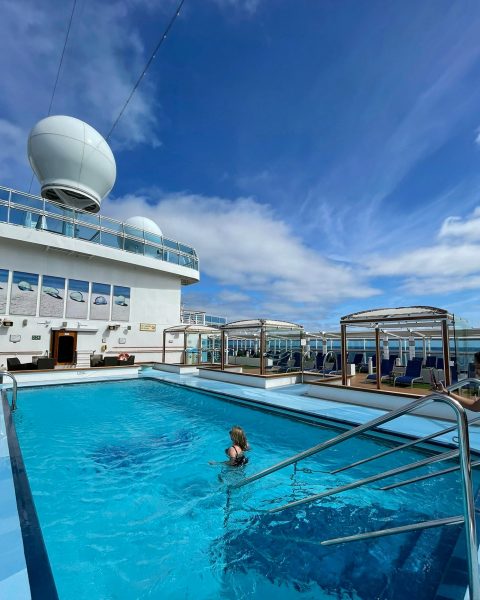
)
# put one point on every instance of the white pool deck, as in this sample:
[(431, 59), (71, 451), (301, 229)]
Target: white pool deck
[(14, 582)]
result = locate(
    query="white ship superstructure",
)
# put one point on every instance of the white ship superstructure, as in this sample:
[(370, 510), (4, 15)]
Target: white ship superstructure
[(74, 283)]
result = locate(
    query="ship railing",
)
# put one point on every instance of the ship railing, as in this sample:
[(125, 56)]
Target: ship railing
[(14, 386), (35, 212), (461, 452)]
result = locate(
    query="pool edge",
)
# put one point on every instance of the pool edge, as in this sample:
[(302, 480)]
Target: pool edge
[(40, 576)]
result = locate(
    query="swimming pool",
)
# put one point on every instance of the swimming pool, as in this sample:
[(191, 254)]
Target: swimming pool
[(130, 508)]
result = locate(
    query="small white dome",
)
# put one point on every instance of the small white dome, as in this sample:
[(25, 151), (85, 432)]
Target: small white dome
[(150, 231), (72, 162), (144, 224)]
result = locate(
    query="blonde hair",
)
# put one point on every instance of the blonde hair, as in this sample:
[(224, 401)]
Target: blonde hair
[(238, 437)]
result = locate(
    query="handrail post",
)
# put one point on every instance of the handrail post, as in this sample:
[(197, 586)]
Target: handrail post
[(468, 501), (14, 387)]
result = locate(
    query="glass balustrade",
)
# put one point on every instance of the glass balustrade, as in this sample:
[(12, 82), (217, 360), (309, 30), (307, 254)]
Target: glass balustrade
[(35, 212)]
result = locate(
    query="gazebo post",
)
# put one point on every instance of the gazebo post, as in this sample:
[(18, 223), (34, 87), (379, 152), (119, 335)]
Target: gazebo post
[(222, 350), (377, 358), (446, 352), (262, 348), (199, 348), (164, 343), (184, 348), (343, 332)]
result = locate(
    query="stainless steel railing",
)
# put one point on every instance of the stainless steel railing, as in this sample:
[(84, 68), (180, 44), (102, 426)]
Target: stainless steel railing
[(465, 466), (325, 361), (14, 387)]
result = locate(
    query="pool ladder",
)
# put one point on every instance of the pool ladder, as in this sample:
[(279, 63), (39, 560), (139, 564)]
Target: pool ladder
[(14, 386), (465, 466)]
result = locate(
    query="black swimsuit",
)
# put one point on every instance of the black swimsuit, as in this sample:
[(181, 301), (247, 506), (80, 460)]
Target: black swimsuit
[(238, 460)]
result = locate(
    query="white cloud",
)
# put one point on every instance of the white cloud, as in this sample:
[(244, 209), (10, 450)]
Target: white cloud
[(451, 265), (442, 285), (232, 296), (248, 6), (467, 229), (443, 260), (244, 245)]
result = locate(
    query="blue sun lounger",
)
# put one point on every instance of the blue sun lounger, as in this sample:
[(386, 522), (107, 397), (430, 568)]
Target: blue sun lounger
[(412, 374), (386, 366)]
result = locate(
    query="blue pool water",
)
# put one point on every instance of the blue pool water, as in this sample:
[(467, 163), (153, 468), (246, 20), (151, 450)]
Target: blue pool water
[(130, 508)]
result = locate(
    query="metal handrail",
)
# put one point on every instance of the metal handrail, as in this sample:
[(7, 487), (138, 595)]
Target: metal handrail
[(14, 387), (410, 444), (463, 452), (335, 362), (390, 416)]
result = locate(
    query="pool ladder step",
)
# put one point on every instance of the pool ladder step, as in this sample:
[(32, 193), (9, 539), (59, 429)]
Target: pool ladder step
[(458, 520)]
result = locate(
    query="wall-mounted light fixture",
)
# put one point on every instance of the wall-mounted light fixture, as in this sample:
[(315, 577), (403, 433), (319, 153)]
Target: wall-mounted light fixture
[(113, 326), (7, 323)]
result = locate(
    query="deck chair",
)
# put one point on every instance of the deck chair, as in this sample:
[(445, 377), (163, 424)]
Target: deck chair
[(309, 364), (281, 366), (281, 358), (440, 364), (385, 370), (357, 360), (364, 367), (454, 373), (319, 361), (297, 362), (336, 365), (431, 362), (412, 374)]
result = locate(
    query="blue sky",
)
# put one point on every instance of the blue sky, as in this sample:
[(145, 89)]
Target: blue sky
[(322, 157)]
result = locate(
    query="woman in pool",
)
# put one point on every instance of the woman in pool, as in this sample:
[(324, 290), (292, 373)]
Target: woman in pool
[(236, 452)]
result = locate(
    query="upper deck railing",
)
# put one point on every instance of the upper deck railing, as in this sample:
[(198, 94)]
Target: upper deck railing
[(34, 212)]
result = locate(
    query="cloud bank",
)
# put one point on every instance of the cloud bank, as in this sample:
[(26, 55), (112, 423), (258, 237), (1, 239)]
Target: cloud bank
[(244, 245)]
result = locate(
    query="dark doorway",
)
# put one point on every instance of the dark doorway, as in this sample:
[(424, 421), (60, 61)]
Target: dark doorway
[(64, 347)]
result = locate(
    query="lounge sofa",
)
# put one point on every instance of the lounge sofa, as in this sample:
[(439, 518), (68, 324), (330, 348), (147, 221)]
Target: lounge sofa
[(97, 360), (43, 363), (14, 364)]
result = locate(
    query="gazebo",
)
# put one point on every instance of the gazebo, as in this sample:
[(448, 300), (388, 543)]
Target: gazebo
[(263, 329), (186, 330), (404, 322)]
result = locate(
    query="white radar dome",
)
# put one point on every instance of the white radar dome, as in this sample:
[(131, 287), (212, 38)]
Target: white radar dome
[(150, 231), (72, 161), (144, 224)]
